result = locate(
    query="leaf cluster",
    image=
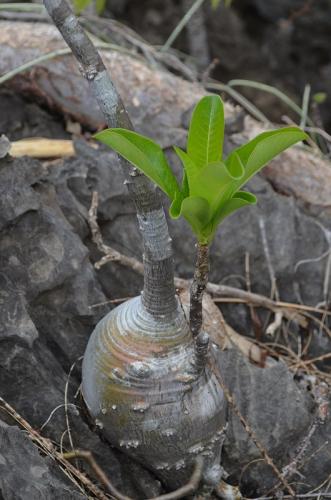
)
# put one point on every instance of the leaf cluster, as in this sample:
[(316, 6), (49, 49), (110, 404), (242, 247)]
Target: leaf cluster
[(211, 186)]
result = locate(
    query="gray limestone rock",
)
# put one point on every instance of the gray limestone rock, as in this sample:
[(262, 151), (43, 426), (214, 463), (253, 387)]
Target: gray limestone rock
[(25, 474)]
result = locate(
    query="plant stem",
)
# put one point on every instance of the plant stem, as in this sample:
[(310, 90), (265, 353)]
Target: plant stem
[(198, 287), (159, 291)]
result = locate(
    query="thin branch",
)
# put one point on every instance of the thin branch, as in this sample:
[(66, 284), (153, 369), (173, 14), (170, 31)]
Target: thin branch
[(189, 488), (100, 474), (111, 255)]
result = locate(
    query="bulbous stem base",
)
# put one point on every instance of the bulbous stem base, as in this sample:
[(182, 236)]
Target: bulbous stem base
[(139, 387)]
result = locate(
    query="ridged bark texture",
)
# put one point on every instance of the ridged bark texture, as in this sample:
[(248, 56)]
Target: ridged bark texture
[(198, 287), (159, 287)]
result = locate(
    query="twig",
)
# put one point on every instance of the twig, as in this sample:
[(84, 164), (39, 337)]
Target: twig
[(53, 413), (100, 474), (189, 488), (321, 394), (280, 304), (111, 254), (275, 325), (259, 300), (66, 402)]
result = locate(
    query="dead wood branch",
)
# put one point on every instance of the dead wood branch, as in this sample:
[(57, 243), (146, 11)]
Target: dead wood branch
[(39, 147)]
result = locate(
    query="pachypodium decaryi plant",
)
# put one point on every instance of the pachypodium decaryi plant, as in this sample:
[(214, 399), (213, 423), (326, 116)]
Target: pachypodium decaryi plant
[(211, 185), (145, 381)]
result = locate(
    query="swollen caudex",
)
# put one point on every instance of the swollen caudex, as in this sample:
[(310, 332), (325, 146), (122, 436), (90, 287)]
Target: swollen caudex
[(140, 384)]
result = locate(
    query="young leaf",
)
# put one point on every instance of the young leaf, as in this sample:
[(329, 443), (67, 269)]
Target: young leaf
[(206, 132), (144, 154), (257, 153), (239, 200), (190, 167), (197, 213), (176, 205), (213, 181)]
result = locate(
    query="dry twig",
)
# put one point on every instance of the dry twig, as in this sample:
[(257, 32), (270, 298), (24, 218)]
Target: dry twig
[(110, 254), (189, 488)]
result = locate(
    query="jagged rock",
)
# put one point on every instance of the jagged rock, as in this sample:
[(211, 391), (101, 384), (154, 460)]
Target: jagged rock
[(278, 411), (25, 474)]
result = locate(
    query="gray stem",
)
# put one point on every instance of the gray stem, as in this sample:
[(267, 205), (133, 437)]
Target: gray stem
[(159, 292), (198, 287)]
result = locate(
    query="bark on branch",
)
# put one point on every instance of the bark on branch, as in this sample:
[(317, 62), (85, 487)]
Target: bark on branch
[(198, 287), (159, 291)]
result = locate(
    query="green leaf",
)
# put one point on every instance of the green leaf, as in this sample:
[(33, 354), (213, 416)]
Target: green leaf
[(176, 205), (206, 132), (144, 154), (100, 6), (240, 199), (190, 167), (80, 5), (214, 181), (197, 213), (257, 153)]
